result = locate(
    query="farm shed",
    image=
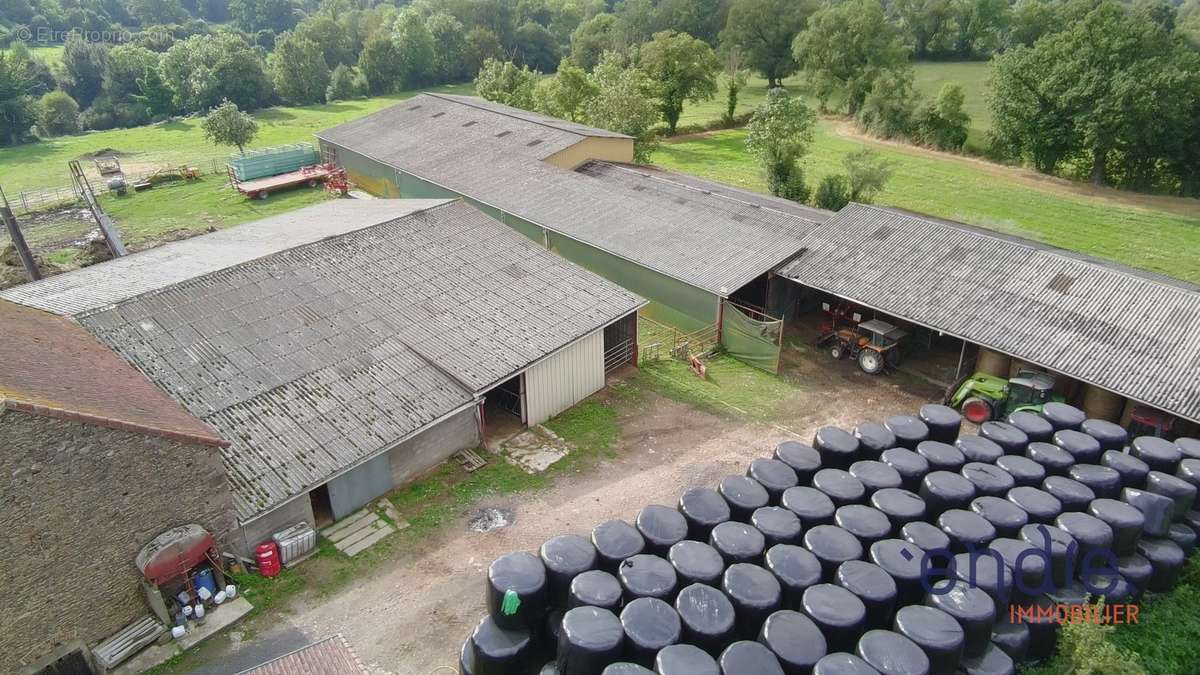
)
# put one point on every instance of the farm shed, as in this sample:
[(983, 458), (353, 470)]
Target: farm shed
[(96, 462), (683, 243), (1124, 332), (344, 348)]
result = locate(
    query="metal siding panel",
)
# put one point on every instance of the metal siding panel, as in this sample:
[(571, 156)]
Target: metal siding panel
[(564, 379), (354, 489)]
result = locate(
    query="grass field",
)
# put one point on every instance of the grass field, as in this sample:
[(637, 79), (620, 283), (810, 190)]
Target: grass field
[(51, 54), (1156, 233)]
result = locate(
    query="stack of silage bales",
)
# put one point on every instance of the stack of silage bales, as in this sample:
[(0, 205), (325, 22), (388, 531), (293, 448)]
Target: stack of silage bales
[(890, 548)]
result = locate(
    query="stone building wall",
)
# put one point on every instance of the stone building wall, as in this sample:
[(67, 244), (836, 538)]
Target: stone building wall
[(77, 502)]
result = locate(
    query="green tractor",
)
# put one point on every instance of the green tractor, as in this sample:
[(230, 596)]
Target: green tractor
[(983, 397)]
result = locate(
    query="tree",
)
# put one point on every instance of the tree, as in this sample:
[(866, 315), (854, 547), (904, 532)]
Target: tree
[(17, 107), (414, 49), (763, 30), (226, 125), (503, 82), (379, 63), (156, 12), (83, 65), (833, 193), (594, 37), (253, 15), (58, 114), (536, 47), (204, 69), (155, 94), (888, 109), (701, 19), (126, 65), (866, 173), (981, 25), (482, 44), (566, 95), (298, 70), (682, 68), (1031, 19), (624, 103), (778, 136), (450, 48), (241, 77), (846, 47), (927, 24), (735, 79), (334, 42), (942, 123), (343, 85)]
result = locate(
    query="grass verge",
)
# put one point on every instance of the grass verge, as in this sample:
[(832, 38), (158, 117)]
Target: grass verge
[(730, 388)]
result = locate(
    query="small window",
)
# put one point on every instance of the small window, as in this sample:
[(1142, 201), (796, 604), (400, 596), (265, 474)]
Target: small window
[(438, 114), (470, 124), (502, 134), (534, 142)]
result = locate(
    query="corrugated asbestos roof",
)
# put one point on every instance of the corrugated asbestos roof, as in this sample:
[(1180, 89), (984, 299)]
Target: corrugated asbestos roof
[(316, 357), (331, 656), (711, 236), (1131, 332), (116, 280)]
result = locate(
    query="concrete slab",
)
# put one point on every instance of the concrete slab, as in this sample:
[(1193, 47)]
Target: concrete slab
[(357, 532), (535, 450), (217, 619)]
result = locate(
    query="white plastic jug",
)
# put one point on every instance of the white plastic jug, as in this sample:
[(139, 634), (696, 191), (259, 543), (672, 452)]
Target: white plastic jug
[(219, 597), (199, 611), (178, 632), (230, 592)]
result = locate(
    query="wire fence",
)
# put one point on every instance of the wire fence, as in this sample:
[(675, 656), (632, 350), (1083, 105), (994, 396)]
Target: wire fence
[(658, 341)]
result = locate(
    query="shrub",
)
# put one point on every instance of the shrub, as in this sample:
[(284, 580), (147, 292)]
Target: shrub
[(833, 193), (343, 84), (58, 114)]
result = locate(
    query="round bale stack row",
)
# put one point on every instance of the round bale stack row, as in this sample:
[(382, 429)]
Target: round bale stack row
[(812, 562)]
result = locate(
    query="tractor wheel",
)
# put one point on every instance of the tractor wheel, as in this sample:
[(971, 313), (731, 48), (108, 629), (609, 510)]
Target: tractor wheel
[(870, 361), (838, 351), (977, 410)]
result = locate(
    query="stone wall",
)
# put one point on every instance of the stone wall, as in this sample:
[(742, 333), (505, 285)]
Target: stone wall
[(77, 502)]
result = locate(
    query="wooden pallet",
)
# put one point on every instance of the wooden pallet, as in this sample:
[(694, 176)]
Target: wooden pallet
[(129, 641), (470, 460)]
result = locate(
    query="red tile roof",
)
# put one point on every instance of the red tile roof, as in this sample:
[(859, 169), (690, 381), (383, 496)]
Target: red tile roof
[(51, 366), (331, 656)]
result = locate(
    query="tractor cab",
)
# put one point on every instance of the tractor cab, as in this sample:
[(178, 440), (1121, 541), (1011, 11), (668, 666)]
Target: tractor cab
[(1029, 390), (874, 344), (1149, 422)]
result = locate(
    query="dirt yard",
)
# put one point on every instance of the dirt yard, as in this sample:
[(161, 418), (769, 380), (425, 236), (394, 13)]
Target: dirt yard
[(411, 615)]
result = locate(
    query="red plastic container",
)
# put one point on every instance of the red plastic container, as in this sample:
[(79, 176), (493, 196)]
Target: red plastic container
[(267, 555)]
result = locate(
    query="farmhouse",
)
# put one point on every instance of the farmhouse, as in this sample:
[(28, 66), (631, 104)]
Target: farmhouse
[(345, 348), (683, 243)]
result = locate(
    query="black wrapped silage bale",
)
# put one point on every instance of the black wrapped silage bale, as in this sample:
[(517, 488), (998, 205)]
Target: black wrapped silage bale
[(941, 456), (984, 569), (1177, 490), (1137, 570), (1027, 570), (794, 640), (1036, 427), (925, 535), (1053, 459), (837, 447), (777, 524), (1133, 470), (989, 480), (891, 653), (744, 495), (703, 509), (875, 475), (1166, 558), (1041, 506), (978, 449), (842, 663), (1007, 518), (1110, 586), (873, 586), (1058, 546), (1189, 470), (1063, 415), (974, 610), (909, 430), (832, 546), (1043, 628), (707, 617), (747, 657), (840, 615), (591, 638), (911, 466), (967, 530), (1110, 436), (993, 661), (564, 557), (866, 523), (1157, 510), (1084, 448), (685, 659), (1192, 519), (773, 475), (1158, 453), (873, 439), (616, 540), (840, 486), (517, 595), (499, 651), (943, 490), (1011, 638), (803, 459), (738, 542), (596, 588), (943, 422), (903, 562), (696, 563), (553, 627), (796, 568), (899, 505), (1073, 495), (1185, 536), (1125, 520), (1104, 481), (937, 633), (466, 658), (661, 527), (647, 576), (1024, 471), (649, 624), (624, 668), (1011, 439), (1188, 447), (755, 594), (1072, 593), (810, 505)]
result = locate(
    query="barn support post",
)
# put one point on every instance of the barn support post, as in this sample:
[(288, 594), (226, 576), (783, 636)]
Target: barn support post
[(962, 355)]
